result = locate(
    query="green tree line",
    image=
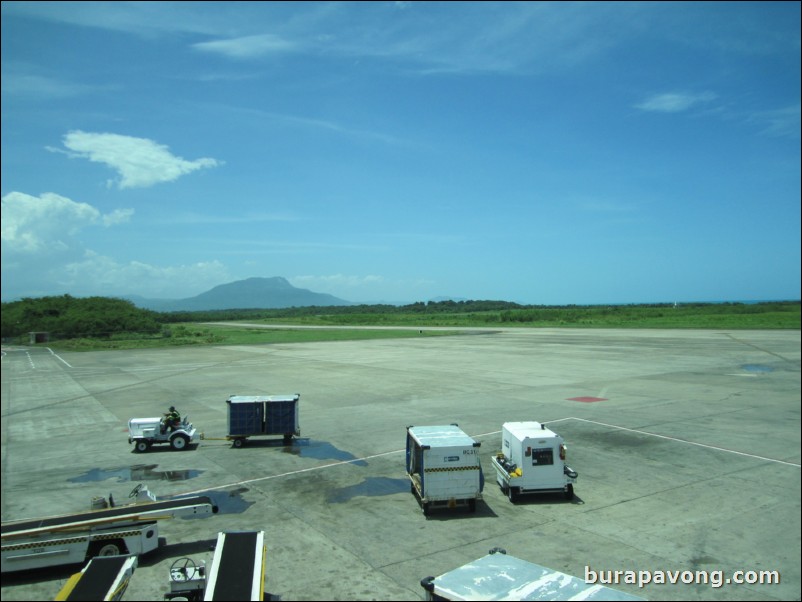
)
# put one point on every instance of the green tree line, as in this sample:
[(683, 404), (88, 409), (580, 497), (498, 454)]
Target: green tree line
[(71, 317), (68, 317)]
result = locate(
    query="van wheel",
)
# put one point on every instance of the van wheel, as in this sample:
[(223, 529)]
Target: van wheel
[(569, 492), (472, 505), (425, 506), (512, 493)]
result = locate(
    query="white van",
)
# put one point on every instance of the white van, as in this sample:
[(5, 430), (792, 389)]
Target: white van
[(532, 460)]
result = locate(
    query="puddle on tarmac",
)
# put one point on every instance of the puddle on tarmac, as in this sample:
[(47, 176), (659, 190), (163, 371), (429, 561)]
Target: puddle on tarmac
[(370, 487), (227, 502), (140, 472), (321, 450), (757, 368)]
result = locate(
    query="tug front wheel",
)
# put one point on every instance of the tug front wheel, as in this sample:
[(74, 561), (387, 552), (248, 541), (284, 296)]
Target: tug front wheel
[(179, 442)]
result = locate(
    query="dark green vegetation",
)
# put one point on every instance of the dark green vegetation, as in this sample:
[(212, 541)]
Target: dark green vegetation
[(105, 323), (779, 315), (67, 317)]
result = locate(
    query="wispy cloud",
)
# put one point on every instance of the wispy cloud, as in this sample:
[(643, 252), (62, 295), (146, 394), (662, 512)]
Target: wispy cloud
[(429, 38), (46, 223), (353, 287), (32, 86), (783, 122), (674, 102), (249, 218), (336, 281), (139, 162), (141, 18), (309, 123), (108, 276), (248, 47)]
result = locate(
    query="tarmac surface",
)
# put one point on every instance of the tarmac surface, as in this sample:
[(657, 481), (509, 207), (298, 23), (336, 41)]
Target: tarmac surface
[(687, 445)]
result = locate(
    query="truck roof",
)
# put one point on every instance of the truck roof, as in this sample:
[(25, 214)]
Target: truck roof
[(144, 420), (260, 398), (449, 435), (530, 430)]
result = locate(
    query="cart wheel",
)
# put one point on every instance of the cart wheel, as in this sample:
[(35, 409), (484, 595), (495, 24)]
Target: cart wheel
[(239, 442), (142, 446), (425, 506), (569, 492), (472, 505)]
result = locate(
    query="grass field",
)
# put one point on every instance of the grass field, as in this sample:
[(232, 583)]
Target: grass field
[(355, 325), (206, 334)]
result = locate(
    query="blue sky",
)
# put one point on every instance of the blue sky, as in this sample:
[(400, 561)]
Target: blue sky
[(541, 153)]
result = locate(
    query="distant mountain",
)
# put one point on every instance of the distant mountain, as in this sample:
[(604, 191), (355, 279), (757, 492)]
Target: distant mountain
[(252, 293)]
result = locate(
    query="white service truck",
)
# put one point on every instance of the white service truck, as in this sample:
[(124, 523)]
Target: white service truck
[(105, 531), (144, 432), (532, 460), (444, 467)]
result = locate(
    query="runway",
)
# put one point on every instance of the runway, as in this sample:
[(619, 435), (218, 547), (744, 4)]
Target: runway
[(687, 445)]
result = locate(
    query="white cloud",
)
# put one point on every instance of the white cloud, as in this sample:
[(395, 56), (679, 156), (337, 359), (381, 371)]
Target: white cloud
[(96, 274), (140, 162), (46, 223), (247, 47), (674, 102)]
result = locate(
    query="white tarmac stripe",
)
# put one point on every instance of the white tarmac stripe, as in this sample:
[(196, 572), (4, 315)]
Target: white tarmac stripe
[(59, 357), (724, 449), (398, 451)]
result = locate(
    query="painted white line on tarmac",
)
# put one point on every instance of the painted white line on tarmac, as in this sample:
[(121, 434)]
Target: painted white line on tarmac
[(294, 472), (398, 451), (59, 357), (724, 449)]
